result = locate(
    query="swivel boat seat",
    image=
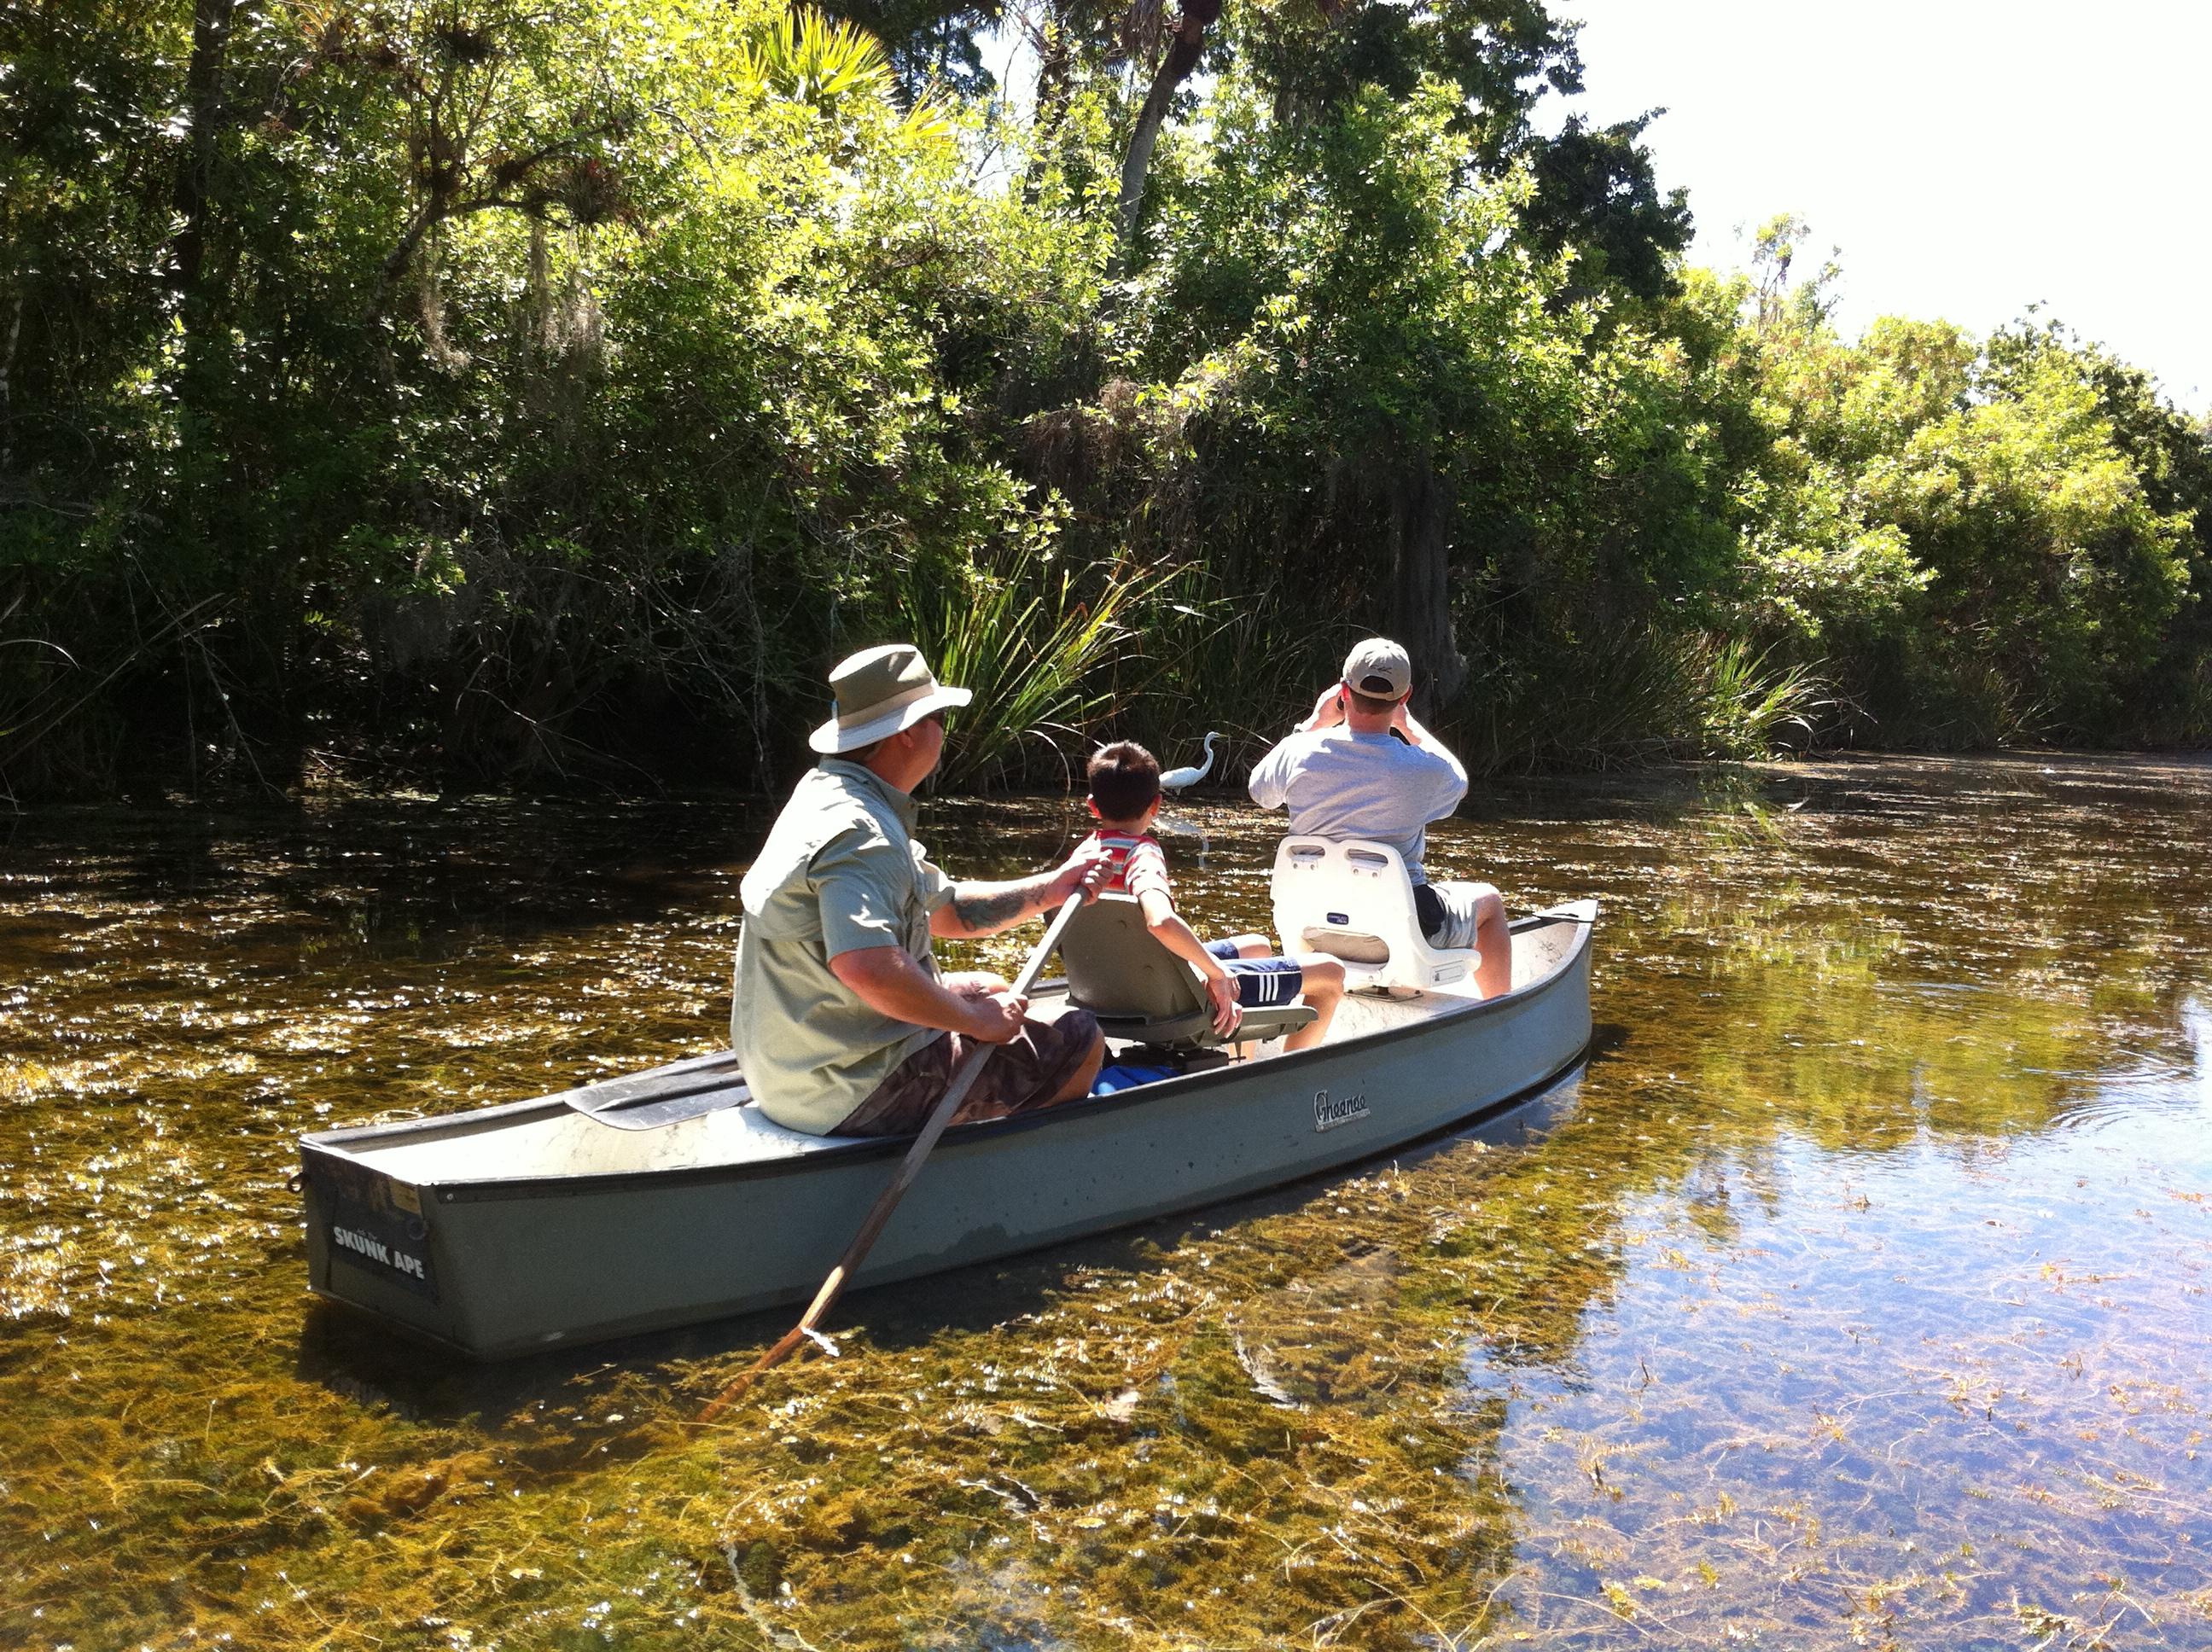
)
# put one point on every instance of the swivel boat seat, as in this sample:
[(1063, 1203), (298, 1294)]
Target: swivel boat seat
[(1354, 901)]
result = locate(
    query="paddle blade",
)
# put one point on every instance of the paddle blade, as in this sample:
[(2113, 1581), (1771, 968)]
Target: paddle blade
[(781, 1348)]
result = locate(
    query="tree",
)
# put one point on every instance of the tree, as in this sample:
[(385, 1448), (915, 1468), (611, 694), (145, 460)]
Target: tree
[(1804, 305), (930, 43), (1595, 192), (1184, 44), (1501, 56), (2171, 455)]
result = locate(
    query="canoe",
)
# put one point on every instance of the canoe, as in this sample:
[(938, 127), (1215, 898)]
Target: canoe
[(664, 1199)]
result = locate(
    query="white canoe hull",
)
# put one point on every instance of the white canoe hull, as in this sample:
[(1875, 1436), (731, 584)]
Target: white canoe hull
[(514, 1228)]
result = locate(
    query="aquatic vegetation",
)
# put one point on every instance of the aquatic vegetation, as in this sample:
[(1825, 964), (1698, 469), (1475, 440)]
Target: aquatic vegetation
[(1853, 1297)]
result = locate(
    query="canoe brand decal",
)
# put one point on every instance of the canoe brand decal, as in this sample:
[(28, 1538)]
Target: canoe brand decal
[(369, 1245), (383, 1236), (1332, 1111)]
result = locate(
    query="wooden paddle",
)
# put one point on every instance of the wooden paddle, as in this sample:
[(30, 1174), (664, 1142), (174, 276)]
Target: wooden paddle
[(909, 1167)]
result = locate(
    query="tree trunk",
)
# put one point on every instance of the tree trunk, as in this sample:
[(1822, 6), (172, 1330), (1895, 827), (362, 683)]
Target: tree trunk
[(1421, 525), (7, 370), (1055, 71), (1186, 42), (203, 122)]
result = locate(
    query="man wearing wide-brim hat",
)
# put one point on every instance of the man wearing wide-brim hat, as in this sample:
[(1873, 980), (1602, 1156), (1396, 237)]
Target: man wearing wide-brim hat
[(842, 1022)]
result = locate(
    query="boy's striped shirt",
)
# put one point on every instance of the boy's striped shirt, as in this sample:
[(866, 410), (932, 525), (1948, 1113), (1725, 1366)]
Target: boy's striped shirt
[(1138, 863)]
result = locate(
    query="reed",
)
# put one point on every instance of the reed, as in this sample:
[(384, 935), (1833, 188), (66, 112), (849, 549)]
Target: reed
[(1246, 665), (1035, 639), (1751, 705), (1632, 702), (1648, 695)]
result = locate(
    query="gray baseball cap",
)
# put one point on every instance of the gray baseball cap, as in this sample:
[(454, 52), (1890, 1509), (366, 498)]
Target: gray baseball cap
[(1380, 668)]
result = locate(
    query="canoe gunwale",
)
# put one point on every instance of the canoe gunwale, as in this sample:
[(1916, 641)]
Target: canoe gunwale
[(331, 1145)]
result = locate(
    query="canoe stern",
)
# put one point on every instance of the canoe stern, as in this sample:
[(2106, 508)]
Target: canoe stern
[(374, 1243)]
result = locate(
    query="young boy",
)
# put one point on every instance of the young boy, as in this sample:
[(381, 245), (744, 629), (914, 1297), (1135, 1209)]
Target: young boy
[(1240, 973)]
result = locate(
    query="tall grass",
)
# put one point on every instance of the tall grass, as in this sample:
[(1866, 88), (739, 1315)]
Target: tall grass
[(50, 703), (1751, 706), (1035, 639), (1578, 705), (1647, 696), (1246, 667)]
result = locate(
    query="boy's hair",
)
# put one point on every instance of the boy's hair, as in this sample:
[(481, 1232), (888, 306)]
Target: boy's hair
[(1373, 704), (1125, 778)]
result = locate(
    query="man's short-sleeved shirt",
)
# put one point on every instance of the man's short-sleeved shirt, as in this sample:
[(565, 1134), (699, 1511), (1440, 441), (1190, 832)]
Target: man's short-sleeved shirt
[(1139, 864), (839, 873), (1337, 783)]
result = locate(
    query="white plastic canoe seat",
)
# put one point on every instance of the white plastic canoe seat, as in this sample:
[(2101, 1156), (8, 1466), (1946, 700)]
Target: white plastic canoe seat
[(1141, 991), (1354, 901)]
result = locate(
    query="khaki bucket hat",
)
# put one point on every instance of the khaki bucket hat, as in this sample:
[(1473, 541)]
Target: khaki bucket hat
[(879, 692)]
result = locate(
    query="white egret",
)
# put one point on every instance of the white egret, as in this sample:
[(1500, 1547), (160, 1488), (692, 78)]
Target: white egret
[(1176, 779)]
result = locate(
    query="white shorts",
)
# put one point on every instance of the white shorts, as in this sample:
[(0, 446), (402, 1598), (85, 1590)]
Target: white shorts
[(1461, 903)]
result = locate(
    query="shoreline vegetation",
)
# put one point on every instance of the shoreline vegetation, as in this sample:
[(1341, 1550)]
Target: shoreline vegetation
[(528, 393)]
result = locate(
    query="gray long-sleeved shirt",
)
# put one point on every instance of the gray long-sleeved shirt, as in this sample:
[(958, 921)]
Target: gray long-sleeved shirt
[(1337, 783)]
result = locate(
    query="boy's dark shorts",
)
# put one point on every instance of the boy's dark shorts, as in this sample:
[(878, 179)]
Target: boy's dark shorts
[(1022, 1076), (1261, 983)]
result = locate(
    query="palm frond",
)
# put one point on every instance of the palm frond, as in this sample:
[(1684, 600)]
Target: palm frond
[(812, 57)]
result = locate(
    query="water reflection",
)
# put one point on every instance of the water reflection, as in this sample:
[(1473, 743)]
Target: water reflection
[(1854, 1297)]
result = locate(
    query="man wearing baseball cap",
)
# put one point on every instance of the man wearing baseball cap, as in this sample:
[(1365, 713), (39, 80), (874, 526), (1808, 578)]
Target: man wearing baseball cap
[(842, 1022), (1361, 766)]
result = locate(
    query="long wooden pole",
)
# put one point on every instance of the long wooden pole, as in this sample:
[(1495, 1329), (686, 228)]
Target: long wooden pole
[(909, 1167)]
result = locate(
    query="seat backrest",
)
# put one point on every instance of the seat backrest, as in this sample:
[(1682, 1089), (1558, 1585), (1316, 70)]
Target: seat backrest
[(1141, 991), (1353, 899), (1116, 967)]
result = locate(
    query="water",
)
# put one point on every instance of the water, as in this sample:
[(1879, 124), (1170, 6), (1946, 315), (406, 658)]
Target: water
[(1854, 1296)]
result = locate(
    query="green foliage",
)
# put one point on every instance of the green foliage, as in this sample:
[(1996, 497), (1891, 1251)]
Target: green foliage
[(562, 386), (2050, 567), (1498, 58), (1962, 529), (812, 57), (1594, 194), (554, 366), (1751, 707), (1036, 643), (929, 41)]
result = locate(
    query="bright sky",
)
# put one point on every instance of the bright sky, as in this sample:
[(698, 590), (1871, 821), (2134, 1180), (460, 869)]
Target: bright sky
[(1970, 157)]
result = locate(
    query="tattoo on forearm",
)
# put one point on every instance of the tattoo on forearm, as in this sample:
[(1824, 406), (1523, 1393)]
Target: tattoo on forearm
[(991, 906)]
